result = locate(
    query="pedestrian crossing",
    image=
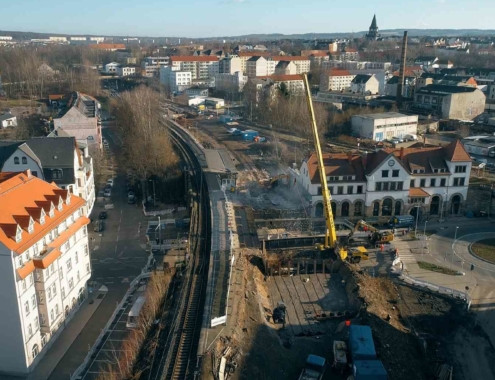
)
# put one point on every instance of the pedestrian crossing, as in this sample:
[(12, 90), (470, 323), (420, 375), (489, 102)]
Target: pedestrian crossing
[(406, 255)]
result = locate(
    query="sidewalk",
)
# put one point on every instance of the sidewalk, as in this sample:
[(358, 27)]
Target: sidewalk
[(61, 345)]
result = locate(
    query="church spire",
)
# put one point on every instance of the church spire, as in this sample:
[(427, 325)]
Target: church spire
[(373, 23), (373, 32)]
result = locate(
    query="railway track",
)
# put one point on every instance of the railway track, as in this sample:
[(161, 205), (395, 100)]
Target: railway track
[(175, 356)]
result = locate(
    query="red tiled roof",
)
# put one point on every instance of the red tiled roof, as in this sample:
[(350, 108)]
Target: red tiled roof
[(334, 72), (22, 196), (192, 58), (253, 54), (282, 78), (289, 58), (418, 192), (336, 164), (456, 152)]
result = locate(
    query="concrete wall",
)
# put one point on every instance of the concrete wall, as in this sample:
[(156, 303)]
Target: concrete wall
[(463, 106)]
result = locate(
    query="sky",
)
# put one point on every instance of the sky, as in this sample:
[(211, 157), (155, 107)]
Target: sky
[(211, 18)]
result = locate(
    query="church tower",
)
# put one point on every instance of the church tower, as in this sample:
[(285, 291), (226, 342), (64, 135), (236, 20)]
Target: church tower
[(373, 32)]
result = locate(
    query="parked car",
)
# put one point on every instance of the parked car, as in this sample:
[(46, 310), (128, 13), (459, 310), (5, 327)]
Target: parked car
[(107, 193), (99, 226), (110, 182), (102, 215)]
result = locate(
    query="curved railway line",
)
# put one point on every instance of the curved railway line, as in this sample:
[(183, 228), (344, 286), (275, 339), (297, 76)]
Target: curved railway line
[(176, 352)]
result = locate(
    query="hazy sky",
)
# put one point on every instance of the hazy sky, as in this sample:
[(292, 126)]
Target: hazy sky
[(206, 18)]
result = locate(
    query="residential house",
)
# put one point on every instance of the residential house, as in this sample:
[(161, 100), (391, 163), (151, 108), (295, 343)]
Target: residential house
[(258, 66), (407, 89), (349, 54), (336, 80), (126, 71), (365, 84), (82, 121), (44, 267), (285, 68), (449, 102), (111, 68), (384, 126), (417, 181), (53, 159), (8, 120)]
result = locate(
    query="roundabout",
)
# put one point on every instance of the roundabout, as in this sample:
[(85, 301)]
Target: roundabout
[(484, 249)]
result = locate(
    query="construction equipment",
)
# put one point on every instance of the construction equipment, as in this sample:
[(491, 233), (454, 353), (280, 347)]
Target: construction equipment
[(279, 313), (355, 255), (330, 234), (371, 234)]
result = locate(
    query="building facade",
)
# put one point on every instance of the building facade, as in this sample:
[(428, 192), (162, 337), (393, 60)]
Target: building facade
[(200, 67), (384, 126), (126, 71), (45, 266), (416, 181), (365, 84), (336, 80), (151, 65), (231, 82), (176, 80)]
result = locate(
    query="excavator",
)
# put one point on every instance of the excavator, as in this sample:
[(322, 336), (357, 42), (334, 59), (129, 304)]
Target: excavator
[(331, 241), (374, 236)]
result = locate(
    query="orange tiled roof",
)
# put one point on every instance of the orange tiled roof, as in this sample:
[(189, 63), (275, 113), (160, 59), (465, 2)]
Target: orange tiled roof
[(335, 72), (194, 58), (253, 54), (22, 196), (336, 164), (418, 192), (456, 152), (289, 58)]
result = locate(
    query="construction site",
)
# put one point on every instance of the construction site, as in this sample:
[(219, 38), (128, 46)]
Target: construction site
[(299, 282)]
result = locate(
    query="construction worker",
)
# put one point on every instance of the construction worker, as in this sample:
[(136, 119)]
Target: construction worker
[(382, 247)]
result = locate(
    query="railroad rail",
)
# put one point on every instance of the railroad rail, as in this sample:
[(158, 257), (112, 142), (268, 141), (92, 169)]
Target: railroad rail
[(175, 356)]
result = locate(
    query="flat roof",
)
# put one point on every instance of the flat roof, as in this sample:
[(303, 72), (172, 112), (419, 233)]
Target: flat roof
[(384, 115)]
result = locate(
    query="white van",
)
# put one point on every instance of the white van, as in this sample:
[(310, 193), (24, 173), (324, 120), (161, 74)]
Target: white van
[(410, 137)]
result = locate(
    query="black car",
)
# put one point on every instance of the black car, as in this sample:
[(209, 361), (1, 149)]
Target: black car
[(103, 215)]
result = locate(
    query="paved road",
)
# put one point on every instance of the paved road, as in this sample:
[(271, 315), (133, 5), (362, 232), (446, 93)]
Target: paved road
[(117, 256)]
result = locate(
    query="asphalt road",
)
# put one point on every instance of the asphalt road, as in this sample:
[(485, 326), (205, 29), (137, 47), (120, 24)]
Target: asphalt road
[(117, 257)]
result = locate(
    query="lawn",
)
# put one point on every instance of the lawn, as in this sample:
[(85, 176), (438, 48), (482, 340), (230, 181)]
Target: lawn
[(485, 249), (436, 268)]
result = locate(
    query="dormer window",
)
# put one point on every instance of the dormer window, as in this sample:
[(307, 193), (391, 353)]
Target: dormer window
[(16, 160), (67, 199), (57, 173), (52, 210), (18, 234), (60, 203), (42, 217), (31, 225)]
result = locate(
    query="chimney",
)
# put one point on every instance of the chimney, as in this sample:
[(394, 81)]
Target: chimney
[(349, 157), (365, 159), (401, 153), (402, 70)]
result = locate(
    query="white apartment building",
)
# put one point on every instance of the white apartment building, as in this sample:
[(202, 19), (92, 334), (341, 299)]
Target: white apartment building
[(176, 80), (384, 126), (244, 56), (53, 159), (302, 64), (126, 71), (111, 68), (44, 266), (258, 66), (293, 83), (416, 181), (200, 67), (365, 84), (336, 80), (230, 65), (151, 65), (231, 82)]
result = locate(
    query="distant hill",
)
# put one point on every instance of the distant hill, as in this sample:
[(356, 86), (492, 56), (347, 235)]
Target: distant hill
[(18, 35)]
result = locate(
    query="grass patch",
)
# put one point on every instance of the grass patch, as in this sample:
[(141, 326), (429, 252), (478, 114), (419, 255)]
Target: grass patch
[(485, 249), (436, 268)]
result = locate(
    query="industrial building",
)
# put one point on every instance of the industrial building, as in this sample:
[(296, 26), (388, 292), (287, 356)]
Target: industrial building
[(384, 126), (482, 145)]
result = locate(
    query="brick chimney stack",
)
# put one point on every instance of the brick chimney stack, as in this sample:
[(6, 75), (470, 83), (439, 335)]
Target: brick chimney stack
[(401, 153)]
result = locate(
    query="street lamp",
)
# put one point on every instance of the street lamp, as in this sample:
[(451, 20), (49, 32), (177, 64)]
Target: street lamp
[(424, 234), (417, 217)]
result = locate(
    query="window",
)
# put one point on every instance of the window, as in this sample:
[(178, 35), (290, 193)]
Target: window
[(359, 189), (422, 182), (433, 182), (330, 188), (62, 292), (57, 310), (412, 183), (78, 276), (24, 285), (35, 351), (319, 190), (54, 289), (87, 268), (30, 330), (57, 173), (395, 173), (358, 208), (24, 160), (33, 301), (36, 323), (378, 186), (340, 190), (86, 250), (69, 265), (31, 280), (76, 258), (442, 182), (384, 173), (393, 186), (350, 189), (400, 185), (16, 160), (52, 315), (71, 282), (456, 181), (26, 307), (460, 169), (385, 186), (35, 173), (461, 181)]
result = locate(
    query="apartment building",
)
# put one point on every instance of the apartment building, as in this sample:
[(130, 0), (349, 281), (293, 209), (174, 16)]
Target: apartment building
[(416, 181), (53, 159), (365, 84), (44, 265), (244, 56), (302, 64), (285, 68), (336, 80), (384, 126), (151, 65), (125, 71), (200, 67), (230, 82), (174, 79), (230, 65), (293, 83)]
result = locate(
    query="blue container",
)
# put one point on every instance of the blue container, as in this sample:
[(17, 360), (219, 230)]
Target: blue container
[(369, 370), (225, 119), (361, 343), (249, 135)]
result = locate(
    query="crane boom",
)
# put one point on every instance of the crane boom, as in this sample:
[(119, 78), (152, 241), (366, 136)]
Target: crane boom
[(330, 235)]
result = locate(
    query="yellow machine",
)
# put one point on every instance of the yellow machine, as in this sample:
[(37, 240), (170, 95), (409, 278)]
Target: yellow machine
[(357, 254), (377, 236), (330, 235)]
